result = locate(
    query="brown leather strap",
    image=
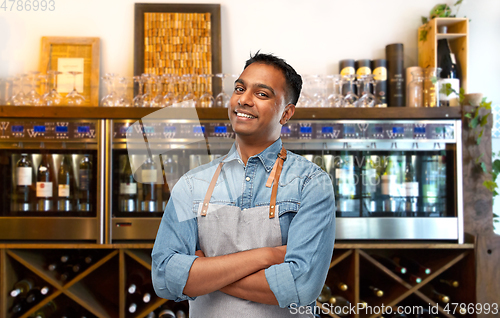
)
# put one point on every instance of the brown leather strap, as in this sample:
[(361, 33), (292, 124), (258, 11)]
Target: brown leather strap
[(274, 192), (211, 187)]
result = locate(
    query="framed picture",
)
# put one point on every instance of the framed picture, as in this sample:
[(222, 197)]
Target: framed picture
[(179, 39), (73, 54)]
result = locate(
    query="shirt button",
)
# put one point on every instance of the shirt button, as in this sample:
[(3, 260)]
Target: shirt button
[(247, 178)]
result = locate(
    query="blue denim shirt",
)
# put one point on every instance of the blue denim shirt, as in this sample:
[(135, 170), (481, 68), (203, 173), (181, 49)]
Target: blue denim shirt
[(306, 209)]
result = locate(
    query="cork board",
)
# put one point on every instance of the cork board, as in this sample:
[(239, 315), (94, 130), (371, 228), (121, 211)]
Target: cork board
[(86, 48), (179, 39)]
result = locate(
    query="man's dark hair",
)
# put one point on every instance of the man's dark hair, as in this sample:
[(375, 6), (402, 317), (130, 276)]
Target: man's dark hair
[(293, 80)]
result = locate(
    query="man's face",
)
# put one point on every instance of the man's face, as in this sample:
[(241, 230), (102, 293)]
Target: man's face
[(258, 102)]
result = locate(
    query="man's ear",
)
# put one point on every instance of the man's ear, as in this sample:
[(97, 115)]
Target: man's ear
[(287, 113)]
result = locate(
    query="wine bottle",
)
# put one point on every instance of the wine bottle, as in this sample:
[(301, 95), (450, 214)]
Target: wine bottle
[(128, 189), (137, 280), (180, 310), (395, 70), (85, 188), (411, 265), (24, 186), (44, 184), (325, 294), (450, 282), (65, 190), (346, 67), (369, 184), (36, 294), (379, 68), (149, 178), (166, 313), (342, 305), (338, 282), (391, 188), (429, 290), (369, 289), (170, 175), (387, 262), (46, 311), (430, 184), (411, 186), (449, 73), (22, 287)]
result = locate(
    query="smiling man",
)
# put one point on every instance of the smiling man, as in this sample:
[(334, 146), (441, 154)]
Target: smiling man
[(261, 237)]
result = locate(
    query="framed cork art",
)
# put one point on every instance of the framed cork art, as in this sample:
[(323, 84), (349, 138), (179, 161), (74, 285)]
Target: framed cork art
[(79, 55), (178, 39)]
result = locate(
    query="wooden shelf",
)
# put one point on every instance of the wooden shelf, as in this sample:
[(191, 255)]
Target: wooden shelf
[(450, 36)]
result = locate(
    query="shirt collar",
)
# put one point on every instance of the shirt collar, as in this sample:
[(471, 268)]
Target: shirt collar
[(267, 156)]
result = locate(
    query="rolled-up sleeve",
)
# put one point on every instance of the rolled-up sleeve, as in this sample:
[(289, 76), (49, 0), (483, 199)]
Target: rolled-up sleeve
[(175, 245), (311, 237)]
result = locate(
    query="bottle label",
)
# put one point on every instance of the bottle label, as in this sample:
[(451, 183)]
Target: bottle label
[(128, 188), (390, 185), (63, 190), (84, 179), (347, 71), (380, 73), (411, 189), (24, 176), (339, 173), (148, 176), (451, 99), (364, 70), (430, 190), (44, 189)]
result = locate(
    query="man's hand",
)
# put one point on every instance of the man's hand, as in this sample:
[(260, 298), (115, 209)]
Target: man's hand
[(199, 253)]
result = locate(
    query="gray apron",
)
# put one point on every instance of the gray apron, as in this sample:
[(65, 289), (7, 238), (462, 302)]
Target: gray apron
[(225, 230)]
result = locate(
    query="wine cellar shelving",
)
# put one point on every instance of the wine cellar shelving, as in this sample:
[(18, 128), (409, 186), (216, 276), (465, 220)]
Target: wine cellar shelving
[(100, 289)]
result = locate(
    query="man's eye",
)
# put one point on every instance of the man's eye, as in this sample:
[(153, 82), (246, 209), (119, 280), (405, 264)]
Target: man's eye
[(238, 89), (262, 94)]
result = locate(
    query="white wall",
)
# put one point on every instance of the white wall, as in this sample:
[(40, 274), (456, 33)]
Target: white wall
[(312, 35)]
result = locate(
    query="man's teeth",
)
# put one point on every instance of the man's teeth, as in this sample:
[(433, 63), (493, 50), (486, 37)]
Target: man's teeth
[(244, 115)]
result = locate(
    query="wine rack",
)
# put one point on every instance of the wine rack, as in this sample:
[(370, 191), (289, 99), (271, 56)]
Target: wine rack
[(355, 266)]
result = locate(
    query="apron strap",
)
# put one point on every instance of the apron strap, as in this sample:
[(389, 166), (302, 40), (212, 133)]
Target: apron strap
[(273, 178), (211, 187), (279, 166)]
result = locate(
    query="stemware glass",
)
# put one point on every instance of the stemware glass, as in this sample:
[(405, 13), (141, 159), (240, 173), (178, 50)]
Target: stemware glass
[(189, 99), (148, 96), (33, 98), (157, 101), (222, 99), (350, 99), (52, 98), (124, 100), (44, 89), (169, 97), (110, 99), (74, 98), (138, 99), (19, 98), (335, 99), (367, 99), (318, 91), (206, 99)]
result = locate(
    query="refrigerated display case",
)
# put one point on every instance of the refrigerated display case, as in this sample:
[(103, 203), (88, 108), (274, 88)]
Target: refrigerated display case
[(50, 185)]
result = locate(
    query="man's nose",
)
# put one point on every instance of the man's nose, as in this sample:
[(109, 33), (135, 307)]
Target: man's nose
[(246, 99)]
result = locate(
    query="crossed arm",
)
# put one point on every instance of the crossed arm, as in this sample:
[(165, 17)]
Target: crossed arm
[(240, 274)]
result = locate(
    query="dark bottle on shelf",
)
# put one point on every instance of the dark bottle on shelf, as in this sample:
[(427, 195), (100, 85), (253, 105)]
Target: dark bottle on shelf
[(44, 185), (128, 189), (22, 287), (325, 295), (395, 74), (149, 179), (369, 289), (24, 184), (450, 282), (387, 262), (411, 265), (433, 294), (137, 280), (36, 294), (19, 306), (411, 186), (338, 282), (346, 67), (450, 73), (170, 175), (342, 304), (85, 188), (166, 312), (65, 186), (180, 310), (379, 68), (46, 311)]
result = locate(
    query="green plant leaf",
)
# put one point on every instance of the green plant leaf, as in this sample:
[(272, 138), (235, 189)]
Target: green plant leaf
[(490, 185), (485, 105), (474, 122), (458, 2), (483, 166), (496, 215), (434, 80), (478, 142), (461, 96), (424, 20), (494, 176), (446, 89), (484, 120), (479, 158), (495, 166), (468, 115)]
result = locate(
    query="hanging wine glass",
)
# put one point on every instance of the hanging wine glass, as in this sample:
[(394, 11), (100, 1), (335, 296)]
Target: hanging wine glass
[(138, 99), (189, 99), (318, 90), (148, 97), (157, 92), (74, 98), (124, 100), (335, 99), (52, 98), (169, 97), (222, 99), (33, 98), (367, 99), (44, 89), (206, 99), (350, 99), (305, 98)]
